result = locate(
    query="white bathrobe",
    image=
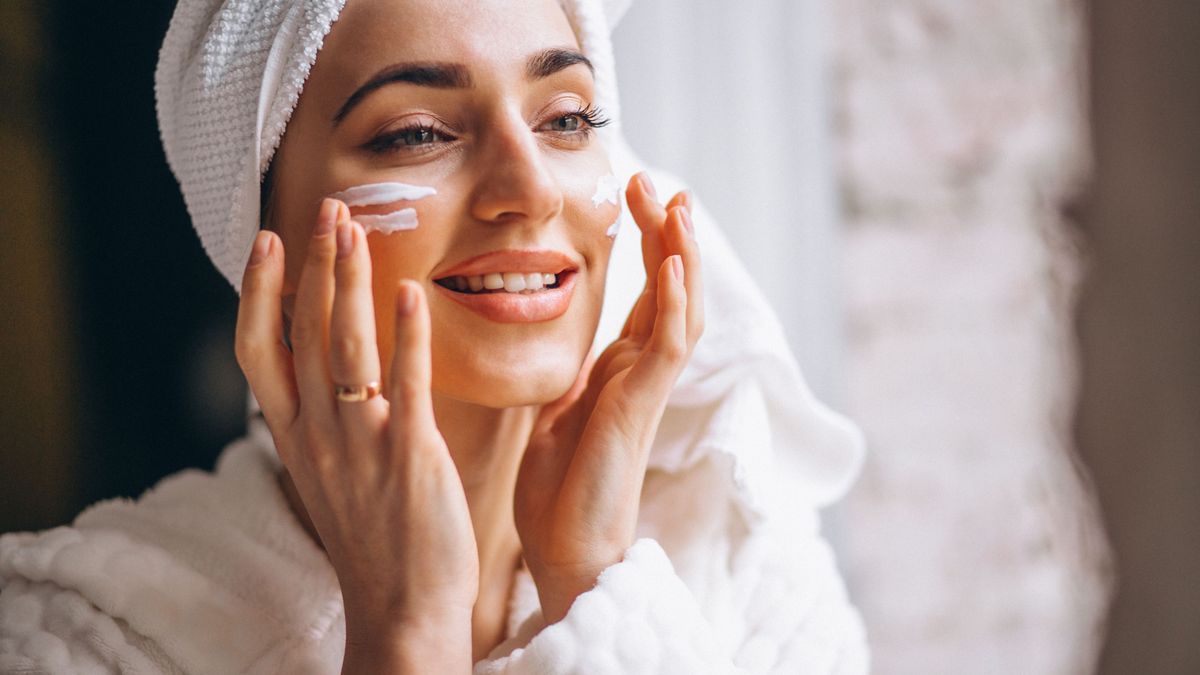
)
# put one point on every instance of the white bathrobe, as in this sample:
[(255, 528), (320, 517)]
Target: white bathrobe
[(212, 573)]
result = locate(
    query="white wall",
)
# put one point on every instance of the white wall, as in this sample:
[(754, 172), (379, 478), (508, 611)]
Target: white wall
[(733, 97)]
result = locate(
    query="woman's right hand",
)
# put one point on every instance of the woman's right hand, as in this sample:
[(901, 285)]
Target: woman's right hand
[(375, 476)]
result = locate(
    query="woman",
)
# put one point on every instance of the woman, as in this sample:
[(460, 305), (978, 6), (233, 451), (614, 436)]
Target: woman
[(456, 481)]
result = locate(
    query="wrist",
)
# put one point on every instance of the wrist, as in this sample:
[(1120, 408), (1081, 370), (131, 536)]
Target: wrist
[(559, 587), (420, 644)]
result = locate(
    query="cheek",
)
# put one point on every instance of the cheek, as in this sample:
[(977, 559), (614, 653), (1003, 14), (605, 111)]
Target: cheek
[(592, 199)]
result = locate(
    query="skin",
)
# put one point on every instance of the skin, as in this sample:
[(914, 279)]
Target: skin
[(492, 442)]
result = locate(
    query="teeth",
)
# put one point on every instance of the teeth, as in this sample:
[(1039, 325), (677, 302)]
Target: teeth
[(512, 282)]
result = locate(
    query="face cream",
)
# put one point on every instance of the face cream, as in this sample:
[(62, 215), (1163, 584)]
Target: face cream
[(608, 189), (612, 229), (380, 194)]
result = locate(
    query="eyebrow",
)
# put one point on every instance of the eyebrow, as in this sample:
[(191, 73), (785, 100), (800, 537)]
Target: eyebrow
[(548, 62), (440, 75)]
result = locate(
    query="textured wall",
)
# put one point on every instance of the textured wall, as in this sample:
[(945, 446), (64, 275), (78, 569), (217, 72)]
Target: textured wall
[(972, 543)]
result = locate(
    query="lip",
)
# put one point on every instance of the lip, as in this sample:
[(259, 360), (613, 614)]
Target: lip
[(545, 305), (502, 307), (511, 260)]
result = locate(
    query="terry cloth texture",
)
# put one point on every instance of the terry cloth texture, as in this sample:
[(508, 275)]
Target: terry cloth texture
[(212, 573)]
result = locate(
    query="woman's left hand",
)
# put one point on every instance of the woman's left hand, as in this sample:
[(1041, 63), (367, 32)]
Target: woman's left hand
[(580, 482)]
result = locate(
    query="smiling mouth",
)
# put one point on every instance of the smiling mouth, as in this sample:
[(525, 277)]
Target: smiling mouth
[(523, 283)]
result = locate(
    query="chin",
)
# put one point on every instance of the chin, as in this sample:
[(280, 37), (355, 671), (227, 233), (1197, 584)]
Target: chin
[(499, 377)]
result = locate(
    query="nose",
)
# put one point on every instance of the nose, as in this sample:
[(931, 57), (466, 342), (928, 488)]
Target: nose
[(515, 183)]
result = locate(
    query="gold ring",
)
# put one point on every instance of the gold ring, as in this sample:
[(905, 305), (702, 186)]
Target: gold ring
[(356, 394)]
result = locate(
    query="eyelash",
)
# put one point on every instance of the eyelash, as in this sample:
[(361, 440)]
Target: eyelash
[(592, 117)]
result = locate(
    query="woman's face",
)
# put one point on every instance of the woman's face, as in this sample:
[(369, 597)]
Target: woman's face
[(491, 106)]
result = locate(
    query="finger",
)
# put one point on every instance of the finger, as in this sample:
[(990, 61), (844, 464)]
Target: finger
[(649, 216), (682, 198), (659, 364), (314, 300), (410, 377), (681, 240), (655, 247), (640, 319), (259, 342), (353, 352), (551, 411), (642, 316)]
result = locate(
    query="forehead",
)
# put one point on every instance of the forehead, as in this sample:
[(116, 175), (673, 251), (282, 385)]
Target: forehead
[(489, 37)]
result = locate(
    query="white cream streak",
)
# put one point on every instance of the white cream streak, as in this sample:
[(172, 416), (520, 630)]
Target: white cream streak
[(377, 194), (612, 229), (608, 189), (387, 223)]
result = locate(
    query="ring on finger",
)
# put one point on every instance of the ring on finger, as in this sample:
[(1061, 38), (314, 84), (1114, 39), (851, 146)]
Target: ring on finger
[(357, 393)]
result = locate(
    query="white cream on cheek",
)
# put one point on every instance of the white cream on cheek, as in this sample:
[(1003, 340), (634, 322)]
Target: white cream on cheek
[(608, 191), (379, 194)]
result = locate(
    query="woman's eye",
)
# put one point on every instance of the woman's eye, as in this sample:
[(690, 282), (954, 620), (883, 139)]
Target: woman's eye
[(577, 124), (416, 136), (411, 137), (566, 124)]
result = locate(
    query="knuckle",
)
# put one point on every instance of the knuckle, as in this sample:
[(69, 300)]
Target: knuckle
[(323, 462), (247, 352), (347, 350), (671, 350), (257, 280), (321, 252), (349, 273)]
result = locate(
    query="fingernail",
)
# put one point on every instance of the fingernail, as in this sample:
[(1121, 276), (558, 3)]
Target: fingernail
[(648, 186), (686, 200), (406, 300), (687, 220), (262, 247), (327, 218), (677, 267), (345, 240)]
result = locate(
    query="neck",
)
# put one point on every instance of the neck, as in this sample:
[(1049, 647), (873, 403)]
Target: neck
[(486, 445)]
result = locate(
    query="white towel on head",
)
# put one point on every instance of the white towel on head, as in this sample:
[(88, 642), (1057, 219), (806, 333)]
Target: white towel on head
[(228, 77)]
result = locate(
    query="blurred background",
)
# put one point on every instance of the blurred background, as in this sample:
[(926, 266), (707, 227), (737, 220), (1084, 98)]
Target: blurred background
[(979, 221)]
